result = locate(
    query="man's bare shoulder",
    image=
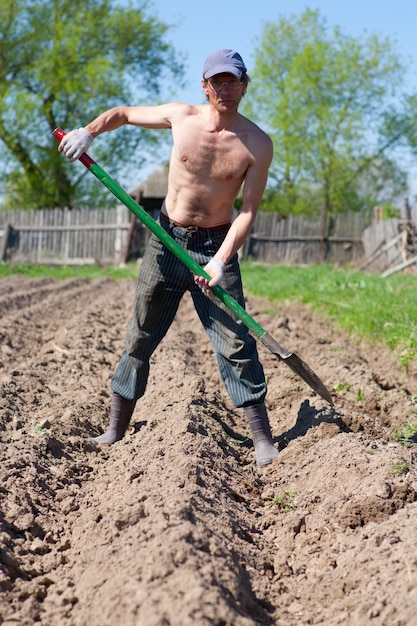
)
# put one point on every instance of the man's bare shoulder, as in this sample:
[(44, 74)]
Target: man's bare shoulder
[(182, 109), (255, 135), (249, 125), (158, 116)]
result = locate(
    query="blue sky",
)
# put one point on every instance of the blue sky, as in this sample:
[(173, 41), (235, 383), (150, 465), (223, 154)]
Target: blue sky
[(204, 27)]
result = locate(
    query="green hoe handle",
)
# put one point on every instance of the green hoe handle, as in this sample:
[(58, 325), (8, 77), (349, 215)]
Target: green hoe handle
[(292, 360)]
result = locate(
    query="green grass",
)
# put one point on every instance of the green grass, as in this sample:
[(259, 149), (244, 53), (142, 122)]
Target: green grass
[(380, 310), (61, 272)]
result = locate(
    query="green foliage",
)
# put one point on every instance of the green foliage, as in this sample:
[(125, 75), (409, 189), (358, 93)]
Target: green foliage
[(373, 308), (402, 124), (284, 502), (389, 211), (406, 434), (324, 96), (342, 388), (401, 467), (62, 63)]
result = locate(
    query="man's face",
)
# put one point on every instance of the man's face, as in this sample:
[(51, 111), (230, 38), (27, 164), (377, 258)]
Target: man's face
[(224, 91)]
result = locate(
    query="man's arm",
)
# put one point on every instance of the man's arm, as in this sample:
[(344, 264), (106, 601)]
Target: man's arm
[(253, 189), (77, 141), (144, 116)]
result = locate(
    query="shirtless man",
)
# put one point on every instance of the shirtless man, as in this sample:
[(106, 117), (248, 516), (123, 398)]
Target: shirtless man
[(215, 150)]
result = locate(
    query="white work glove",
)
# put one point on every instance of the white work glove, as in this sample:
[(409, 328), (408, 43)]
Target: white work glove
[(215, 269), (75, 143)]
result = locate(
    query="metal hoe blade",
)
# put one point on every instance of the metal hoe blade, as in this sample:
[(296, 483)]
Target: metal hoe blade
[(298, 366)]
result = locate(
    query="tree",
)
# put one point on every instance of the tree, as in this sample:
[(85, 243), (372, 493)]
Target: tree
[(403, 125), (323, 96), (62, 62)]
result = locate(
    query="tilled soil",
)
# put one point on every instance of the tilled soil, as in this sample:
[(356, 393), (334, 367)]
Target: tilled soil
[(175, 525)]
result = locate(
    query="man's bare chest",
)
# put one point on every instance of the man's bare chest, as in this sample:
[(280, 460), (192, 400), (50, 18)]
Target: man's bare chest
[(213, 155)]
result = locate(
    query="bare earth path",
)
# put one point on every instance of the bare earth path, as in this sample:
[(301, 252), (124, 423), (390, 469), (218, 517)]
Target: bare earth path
[(175, 525)]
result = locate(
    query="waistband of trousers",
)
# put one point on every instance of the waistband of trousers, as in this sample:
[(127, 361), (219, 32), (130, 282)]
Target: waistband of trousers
[(193, 227)]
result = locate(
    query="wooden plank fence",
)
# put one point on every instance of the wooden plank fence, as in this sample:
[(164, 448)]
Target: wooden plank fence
[(111, 236), (389, 245), (298, 240), (102, 235), (63, 236)]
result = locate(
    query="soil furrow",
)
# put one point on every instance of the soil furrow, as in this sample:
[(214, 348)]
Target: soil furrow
[(175, 525)]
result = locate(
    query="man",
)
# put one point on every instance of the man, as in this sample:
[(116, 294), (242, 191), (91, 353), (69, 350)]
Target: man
[(215, 150)]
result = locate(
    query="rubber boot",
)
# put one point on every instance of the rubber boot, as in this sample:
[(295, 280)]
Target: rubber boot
[(261, 434), (120, 413)]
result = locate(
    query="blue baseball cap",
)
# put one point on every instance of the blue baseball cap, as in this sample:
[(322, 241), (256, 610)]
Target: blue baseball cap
[(224, 61)]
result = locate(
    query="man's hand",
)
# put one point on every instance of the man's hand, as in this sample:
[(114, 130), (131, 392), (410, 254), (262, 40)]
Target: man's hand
[(75, 143), (215, 269)]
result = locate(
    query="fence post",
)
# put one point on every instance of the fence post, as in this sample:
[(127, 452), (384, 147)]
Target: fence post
[(118, 239), (10, 242)]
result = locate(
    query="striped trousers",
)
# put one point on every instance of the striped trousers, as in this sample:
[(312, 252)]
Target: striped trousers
[(163, 280)]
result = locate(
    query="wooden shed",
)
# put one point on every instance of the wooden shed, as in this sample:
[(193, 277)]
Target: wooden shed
[(153, 190), (149, 195)]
